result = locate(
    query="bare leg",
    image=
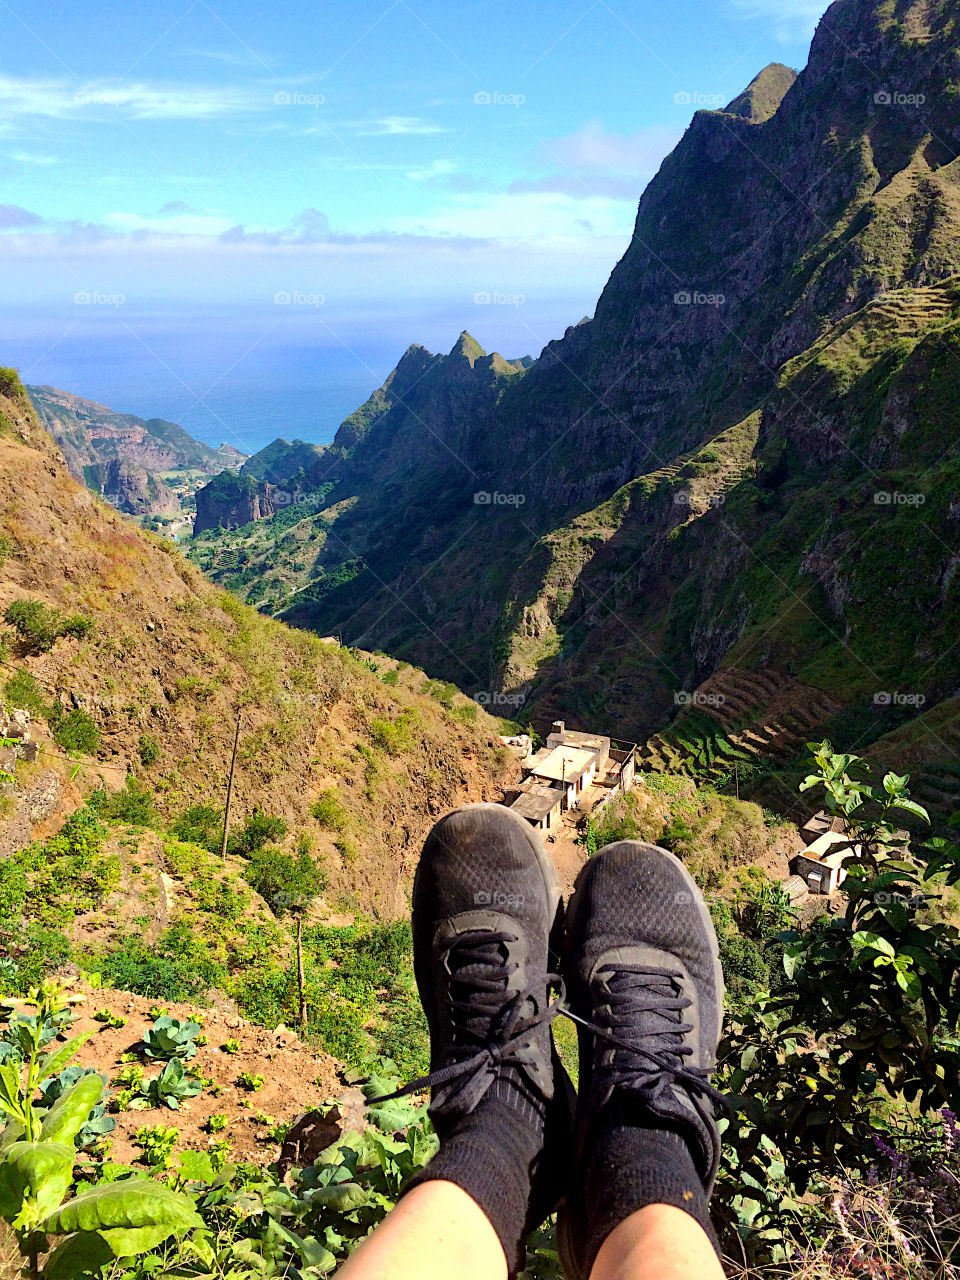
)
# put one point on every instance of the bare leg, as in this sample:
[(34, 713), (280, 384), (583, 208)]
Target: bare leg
[(658, 1242), (437, 1232)]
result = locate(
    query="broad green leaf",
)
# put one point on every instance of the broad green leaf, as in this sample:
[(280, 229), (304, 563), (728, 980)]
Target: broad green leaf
[(82, 1254), (53, 1063), (39, 1174), (874, 940), (137, 1202), (12, 1133), (11, 1094), (341, 1198), (911, 806), (69, 1113)]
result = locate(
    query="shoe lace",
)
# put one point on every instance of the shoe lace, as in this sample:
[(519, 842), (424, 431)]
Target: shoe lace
[(646, 1006), (489, 1031)]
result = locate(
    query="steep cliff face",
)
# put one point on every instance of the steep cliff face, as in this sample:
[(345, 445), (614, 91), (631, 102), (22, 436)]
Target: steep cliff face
[(135, 491), (690, 479), (90, 434), (231, 500)]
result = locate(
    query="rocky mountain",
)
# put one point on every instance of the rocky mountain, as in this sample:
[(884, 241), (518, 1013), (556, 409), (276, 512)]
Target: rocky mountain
[(145, 466), (279, 475), (162, 660), (745, 460)]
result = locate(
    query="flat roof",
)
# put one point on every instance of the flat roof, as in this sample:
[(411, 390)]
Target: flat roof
[(574, 738), (819, 849), (564, 764), (537, 802)]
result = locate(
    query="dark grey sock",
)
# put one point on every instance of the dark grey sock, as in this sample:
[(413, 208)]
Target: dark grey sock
[(633, 1165), (494, 1154)]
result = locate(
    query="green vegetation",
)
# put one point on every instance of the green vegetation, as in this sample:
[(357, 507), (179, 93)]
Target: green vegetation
[(40, 627), (41, 1198), (171, 1038), (395, 736), (75, 730)]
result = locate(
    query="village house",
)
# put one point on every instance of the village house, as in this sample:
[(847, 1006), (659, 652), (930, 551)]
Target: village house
[(573, 770), (820, 865), (540, 805)]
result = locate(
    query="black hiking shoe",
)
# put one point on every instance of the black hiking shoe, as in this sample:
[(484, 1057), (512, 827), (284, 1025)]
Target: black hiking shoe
[(644, 983), (486, 903)]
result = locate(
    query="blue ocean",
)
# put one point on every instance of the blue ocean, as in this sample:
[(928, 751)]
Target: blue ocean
[(221, 385)]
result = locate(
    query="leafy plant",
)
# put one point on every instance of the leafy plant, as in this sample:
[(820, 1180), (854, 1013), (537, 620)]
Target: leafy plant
[(39, 627), (109, 1019), (76, 730), (98, 1124), (157, 1143), (171, 1038), (250, 1081), (217, 1122), (230, 1046), (171, 1087), (37, 1156)]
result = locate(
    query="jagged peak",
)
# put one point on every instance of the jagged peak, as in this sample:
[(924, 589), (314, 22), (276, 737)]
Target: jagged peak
[(468, 347), (763, 95)]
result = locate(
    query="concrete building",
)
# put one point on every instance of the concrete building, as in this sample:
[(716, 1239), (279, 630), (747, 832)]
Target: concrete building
[(820, 866), (540, 805), (821, 823)]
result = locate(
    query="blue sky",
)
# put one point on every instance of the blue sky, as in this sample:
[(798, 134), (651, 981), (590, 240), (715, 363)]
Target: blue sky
[(380, 163)]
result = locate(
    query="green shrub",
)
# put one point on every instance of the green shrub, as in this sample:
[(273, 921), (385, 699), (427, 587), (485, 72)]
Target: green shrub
[(395, 736), (40, 627), (22, 690), (287, 883), (200, 824), (175, 967), (258, 829), (149, 749), (133, 805), (76, 731), (328, 810)]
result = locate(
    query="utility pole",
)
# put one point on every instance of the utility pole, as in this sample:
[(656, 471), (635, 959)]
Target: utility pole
[(226, 811), (301, 985)]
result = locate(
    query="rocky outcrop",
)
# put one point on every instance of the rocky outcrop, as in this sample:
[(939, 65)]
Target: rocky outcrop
[(136, 492), (231, 500)]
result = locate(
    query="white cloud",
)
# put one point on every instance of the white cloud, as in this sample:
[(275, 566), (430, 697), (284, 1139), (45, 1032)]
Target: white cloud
[(60, 99), (792, 19), (593, 149), (526, 214), (435, 169), (387, 125), (29, 157), (186, 224)]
